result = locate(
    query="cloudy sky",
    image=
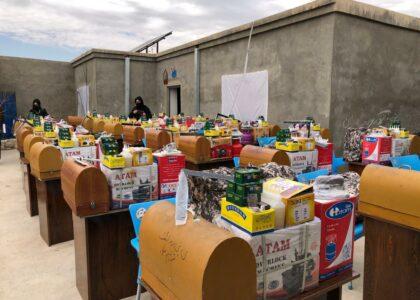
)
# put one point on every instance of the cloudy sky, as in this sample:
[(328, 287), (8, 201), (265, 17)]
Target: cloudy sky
[(63, 29)]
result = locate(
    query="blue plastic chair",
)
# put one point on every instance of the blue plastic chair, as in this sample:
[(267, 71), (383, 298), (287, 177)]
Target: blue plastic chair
[(236, 161), (410, 162), (310, 176), (137, 211), (338, 162), (266, 141)]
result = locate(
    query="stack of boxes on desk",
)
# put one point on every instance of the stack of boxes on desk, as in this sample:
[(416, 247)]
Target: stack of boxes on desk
[(281, 221)]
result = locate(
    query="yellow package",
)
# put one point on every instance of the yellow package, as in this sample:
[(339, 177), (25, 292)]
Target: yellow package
[(86, 140), (288, 146), (306, 144), (141, 156), (65, 143), (297, 197), (246, 219), (113, 161)]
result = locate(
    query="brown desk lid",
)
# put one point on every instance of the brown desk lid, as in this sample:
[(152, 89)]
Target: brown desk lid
[(391, 194)]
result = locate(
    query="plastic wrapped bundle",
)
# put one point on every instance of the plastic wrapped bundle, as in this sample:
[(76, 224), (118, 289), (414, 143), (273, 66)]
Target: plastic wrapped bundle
[(353, 144), (351, 183), (206, 193)]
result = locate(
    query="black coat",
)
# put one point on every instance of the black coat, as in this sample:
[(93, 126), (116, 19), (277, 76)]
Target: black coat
[(42, 112), (140, 110)]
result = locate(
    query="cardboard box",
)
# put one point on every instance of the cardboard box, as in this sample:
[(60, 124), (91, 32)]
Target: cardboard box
[(132, 185), (284, 248), (169, 168), (297, 197), (325, 155), (84, 152), (376, 149), (337, 235), (400, 147), (303, 161), (327, 167), (246, 219)]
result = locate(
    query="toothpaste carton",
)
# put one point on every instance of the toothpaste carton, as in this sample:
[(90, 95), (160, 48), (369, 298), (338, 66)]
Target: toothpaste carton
[(376, 149), (337, 235)]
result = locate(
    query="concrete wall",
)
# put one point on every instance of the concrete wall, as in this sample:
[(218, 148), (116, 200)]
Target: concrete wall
[(52, 82), (185, 78), (375, 68), (106, 80)]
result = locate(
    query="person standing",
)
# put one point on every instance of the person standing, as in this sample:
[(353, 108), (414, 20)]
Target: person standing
[(140, 109), (37, 109)]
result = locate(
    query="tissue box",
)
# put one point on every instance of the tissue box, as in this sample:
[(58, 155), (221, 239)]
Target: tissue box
[(132, 185), (376, 149), (297, 197), (169, 168), (283, 248), (337, 235), (400, 147)]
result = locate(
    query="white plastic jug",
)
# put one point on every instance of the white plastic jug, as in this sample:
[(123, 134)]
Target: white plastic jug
[(274, 200)]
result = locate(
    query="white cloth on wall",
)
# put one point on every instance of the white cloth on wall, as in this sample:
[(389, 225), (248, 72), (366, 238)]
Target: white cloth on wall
[(245, 95), (82, 100)]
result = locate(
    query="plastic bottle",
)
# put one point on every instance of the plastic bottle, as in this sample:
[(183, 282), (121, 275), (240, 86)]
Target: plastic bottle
[(275, 202)]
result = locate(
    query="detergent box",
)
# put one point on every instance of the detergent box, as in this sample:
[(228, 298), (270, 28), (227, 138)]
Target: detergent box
[(287, 259), (337, 235), (303, 161), (376, 149), (169, 167), (81, 152)]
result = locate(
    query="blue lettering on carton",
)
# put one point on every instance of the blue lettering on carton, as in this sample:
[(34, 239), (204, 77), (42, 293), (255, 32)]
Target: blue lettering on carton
[(237, 210)]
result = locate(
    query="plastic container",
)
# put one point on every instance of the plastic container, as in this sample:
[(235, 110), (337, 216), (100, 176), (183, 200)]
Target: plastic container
[(128, 157), (275, 202)]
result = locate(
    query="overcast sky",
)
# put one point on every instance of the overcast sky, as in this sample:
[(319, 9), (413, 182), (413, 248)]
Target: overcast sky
[(63, 29)]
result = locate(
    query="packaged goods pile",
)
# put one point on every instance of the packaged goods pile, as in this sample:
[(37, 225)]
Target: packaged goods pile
[(300, 234), (376, 145)]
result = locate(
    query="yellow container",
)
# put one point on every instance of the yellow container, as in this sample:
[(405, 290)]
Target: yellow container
[(306, 144), (404, 134), (113, 162), (141, 156), (86, 140), (288, 146), (49, 134), (38, 129), (297, 197), (211, 133), (65, 143), (247, 219)]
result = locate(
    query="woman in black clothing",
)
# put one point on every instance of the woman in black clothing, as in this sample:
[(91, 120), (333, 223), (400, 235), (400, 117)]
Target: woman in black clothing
[(37, 109), (140, 109)]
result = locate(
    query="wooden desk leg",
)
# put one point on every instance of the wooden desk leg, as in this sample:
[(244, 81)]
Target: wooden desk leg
[(55, 217), (334, 294), (106, 264), (30, 191)]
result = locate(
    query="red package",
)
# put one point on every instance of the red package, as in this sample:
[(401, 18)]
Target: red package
[(337, 235), (169, 167), (325, 154), (376, 149)]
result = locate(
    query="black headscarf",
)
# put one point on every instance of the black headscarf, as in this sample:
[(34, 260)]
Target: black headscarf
[(37, 108)]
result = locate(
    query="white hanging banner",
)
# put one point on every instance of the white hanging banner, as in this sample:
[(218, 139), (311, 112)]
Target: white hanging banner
[(82, 100), (245, 95)]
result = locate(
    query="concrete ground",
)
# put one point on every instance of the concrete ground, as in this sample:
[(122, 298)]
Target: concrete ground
[(29, 269)]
